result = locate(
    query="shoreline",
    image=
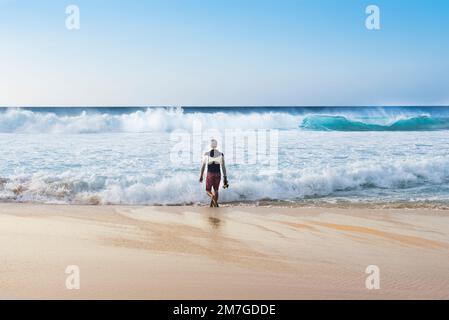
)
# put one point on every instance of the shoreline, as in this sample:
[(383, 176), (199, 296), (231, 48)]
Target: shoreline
[(143, 252), (425, 205)]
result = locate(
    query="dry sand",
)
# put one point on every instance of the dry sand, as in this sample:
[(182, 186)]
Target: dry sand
[(227, 253)]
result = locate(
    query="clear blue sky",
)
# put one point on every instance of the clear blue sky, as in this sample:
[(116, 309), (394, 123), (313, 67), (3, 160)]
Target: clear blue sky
[(224, 52)]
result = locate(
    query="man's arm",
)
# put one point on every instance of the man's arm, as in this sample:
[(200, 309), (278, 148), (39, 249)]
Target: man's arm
[(223, 167), (202, 172)]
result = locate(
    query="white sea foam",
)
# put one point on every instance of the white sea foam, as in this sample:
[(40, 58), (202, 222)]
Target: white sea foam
[(149, 120), (182, 188)]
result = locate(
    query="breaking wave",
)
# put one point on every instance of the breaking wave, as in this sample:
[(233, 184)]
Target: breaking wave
[(341, 123), (367, 178), (146, 120), (136, 120)]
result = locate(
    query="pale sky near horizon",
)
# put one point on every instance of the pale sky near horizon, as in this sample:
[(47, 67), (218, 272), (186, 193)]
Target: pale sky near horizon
[(224, 52)]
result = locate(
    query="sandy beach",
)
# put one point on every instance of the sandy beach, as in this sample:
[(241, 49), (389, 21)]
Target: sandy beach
[(228, 253)]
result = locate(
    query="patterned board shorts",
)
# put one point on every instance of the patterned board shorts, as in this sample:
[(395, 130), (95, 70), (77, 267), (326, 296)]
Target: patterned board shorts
[(213, 180)]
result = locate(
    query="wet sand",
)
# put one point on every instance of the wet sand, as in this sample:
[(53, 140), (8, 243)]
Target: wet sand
[(226, 253)]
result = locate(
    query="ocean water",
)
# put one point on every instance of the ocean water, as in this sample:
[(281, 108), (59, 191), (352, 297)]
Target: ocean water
[(379, 156)]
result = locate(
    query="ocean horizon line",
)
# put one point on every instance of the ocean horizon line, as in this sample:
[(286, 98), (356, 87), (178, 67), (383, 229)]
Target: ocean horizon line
[(226, 106)]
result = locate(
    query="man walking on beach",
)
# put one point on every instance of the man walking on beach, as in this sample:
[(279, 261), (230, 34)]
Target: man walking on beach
[(214, 160)]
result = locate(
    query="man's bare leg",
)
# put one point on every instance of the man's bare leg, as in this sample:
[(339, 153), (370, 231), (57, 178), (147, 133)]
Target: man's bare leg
[(216, 198), (212, 199)]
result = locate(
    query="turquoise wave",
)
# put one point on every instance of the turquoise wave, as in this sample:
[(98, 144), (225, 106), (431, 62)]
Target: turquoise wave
[(341, 123)]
